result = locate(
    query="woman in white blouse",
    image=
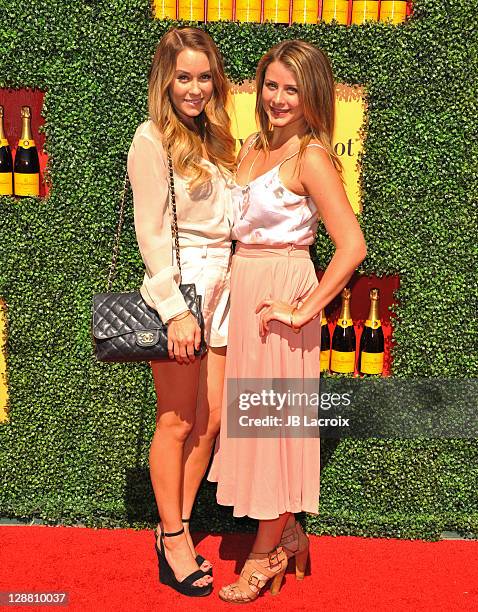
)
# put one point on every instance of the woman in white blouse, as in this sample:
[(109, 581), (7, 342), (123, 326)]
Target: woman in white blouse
[(187, 97)]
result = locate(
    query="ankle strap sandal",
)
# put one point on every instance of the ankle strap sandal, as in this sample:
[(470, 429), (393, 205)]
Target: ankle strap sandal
[(296, 544), (167, 577), (200, 560), (258, 570)]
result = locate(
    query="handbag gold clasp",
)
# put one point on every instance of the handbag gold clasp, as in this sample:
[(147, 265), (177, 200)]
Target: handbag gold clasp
[(146, 338)]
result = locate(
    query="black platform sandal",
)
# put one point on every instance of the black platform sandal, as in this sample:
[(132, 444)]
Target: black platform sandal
[(199, 558), (167, 577)]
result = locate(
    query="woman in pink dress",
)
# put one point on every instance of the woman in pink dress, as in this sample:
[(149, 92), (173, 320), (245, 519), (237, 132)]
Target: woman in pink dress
[(288, 175)]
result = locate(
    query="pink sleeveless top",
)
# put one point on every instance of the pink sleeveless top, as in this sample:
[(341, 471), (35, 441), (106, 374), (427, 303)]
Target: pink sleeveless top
[(266, 212)]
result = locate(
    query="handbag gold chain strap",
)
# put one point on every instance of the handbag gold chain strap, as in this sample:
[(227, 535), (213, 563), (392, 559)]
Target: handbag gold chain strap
[(119, 226), (174, 221)]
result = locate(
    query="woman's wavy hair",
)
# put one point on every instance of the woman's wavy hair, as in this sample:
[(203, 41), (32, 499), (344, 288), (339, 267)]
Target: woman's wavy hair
[(313, 73), (213, 124)]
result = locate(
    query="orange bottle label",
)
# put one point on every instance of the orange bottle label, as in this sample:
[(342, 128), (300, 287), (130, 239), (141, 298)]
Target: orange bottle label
[(304, 11), (219, 10), (371, 363), (393, 10), (345, 323), (6, 185), (164, 9), (364, 10), (276, 11), (373, 324), (192, 10), (324, 360), (343, 361), (335, 9), (248, 10), (27, 184), (26, 144)]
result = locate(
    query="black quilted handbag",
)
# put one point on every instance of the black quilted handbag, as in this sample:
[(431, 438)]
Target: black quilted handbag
[(124, 327)]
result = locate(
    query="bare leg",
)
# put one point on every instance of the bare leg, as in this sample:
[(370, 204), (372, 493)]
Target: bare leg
[(200, 442), (290, 521), (269, 533), (290, 535), (176, 388)]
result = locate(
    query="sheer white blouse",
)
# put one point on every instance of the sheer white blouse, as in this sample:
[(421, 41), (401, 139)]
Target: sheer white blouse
[(204, 218)]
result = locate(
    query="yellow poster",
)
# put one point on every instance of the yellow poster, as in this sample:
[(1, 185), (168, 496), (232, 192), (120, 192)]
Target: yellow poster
[(3, 362), (349, 119)]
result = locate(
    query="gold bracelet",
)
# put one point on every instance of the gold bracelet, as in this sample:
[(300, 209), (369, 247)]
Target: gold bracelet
[(292, 324), (187, 313)]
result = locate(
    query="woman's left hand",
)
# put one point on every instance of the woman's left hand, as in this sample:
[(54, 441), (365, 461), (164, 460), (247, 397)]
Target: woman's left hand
[(274, 311)]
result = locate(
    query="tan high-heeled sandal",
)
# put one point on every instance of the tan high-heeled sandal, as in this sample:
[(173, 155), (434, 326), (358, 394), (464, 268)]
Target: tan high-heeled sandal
[(296, 544), (256, 573)]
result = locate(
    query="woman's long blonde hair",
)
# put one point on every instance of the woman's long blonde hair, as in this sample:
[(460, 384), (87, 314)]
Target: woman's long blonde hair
[(313, 73), (213, 124)]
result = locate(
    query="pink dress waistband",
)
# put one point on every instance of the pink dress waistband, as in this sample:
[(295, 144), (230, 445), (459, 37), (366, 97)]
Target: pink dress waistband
[(262, 250)]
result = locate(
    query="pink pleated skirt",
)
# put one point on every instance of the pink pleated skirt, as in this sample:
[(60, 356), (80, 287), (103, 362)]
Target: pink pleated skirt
[(265, 477)]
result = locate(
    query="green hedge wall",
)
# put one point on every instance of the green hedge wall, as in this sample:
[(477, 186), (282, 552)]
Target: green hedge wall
[(76, 444)]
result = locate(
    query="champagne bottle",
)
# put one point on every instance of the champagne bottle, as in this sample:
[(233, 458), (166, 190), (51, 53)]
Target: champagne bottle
[(6, 163), (27, 166), (324, 345), (371, 342), (343, 340)]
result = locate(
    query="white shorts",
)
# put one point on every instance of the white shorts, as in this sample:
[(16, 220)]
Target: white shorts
[(209, 267)]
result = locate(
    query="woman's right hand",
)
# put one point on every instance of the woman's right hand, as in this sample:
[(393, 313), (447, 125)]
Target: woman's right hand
[(184, 335)]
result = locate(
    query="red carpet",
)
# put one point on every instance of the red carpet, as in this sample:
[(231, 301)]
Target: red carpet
[(116, 570)]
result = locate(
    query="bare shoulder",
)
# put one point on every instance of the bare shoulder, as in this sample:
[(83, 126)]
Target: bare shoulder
[(316, 153), (246, 146), (317, 168), (316, 159)]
